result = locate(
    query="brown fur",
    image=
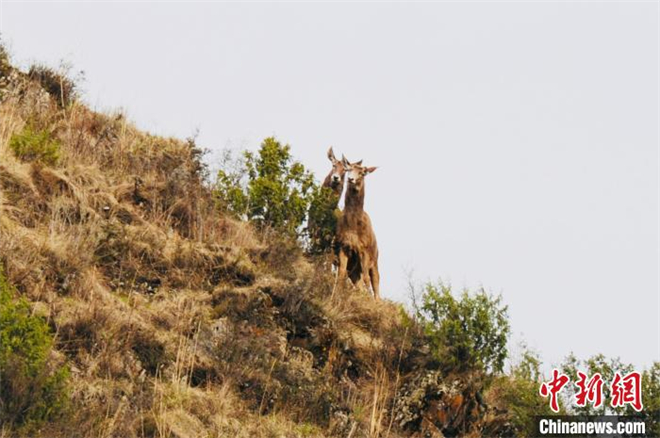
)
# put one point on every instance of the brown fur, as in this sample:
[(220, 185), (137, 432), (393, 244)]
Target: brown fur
[(355, 241), (338, 169)]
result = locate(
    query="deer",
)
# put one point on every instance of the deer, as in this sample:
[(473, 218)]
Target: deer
[(355, 241), (335, 179), (323, 215)]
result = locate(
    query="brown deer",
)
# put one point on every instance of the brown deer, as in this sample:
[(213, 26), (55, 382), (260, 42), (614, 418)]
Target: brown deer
[(335, 179), (323, 211), (355, 242)]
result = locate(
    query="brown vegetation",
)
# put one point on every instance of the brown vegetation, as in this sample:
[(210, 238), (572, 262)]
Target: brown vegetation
[(178, 321)]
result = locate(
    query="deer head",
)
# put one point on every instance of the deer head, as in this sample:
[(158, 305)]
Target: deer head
[(355, 174), (336, 176)]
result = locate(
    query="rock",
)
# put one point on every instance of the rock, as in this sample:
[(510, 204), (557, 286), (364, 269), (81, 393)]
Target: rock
[(432, 405)]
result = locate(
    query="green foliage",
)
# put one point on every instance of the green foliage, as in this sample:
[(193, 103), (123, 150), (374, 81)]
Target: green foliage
[(528, 367), (4, 59), (268, 188), (31, 391), (35, 145), (322, 220), (651, 398), (273, 190), (231, 191), (469, 333), (5, 68), (518, 393)]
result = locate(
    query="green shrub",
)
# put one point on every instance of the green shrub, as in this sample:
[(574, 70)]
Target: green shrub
[(469, 333), (518, 394), (231, 193), (322, 220), (34, 145), (5, 67), (268, 188), (651, 394), (272, 190), (32, 391)]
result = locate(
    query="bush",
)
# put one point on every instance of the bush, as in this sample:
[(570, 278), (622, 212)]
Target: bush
[(268, 188), (34, 145), (5, 67), (651, 391), (62, 88), (322, 220), (518, 394), (469, 333), (31, 390)]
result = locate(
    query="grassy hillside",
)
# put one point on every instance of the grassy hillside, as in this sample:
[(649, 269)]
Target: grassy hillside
[(166, 317)]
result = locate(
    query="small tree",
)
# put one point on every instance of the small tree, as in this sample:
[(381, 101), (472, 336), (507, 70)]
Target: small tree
[(268, 188), (5, 69), (651, 389), (322, 220), (31, 390), (518, 394), (469, 333)]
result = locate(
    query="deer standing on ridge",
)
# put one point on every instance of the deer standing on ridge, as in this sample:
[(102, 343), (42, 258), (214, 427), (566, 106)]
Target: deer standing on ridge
[(335, 179), (355, 241), (324, 212)]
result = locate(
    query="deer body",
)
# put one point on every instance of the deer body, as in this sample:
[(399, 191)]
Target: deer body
[(355, 242)]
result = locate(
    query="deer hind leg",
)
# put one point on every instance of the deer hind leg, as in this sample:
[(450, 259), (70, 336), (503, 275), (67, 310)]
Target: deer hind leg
[(355, 270), (356, 279), (341, 272), (375, 280)]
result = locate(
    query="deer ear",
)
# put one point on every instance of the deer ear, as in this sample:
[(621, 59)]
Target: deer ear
[(331, 155), (359, 163), (344, 161), (370, 169)]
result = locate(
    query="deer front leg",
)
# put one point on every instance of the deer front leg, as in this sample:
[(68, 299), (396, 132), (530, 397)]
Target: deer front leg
[(365, 278), (341, 272)]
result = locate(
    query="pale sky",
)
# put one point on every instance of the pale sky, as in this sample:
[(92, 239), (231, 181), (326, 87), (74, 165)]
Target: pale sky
[(517, 143)]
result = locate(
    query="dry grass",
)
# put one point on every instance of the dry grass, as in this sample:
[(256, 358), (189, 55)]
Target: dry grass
[(176, 320)]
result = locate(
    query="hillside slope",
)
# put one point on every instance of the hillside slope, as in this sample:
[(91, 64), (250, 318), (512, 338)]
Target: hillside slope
[(174, 320)]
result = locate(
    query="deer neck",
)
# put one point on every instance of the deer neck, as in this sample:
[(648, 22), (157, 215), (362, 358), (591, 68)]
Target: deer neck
[(336, 190), (354, 200)]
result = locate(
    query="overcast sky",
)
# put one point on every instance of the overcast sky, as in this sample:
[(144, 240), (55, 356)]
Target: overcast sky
[(517, 143)]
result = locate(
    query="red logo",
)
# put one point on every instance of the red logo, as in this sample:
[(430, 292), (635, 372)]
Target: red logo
[(591, 391), (626, 390), (553, 388)]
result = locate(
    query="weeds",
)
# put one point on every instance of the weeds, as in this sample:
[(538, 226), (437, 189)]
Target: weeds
[(62, 88), (176, 319), (35, 145), (32, 390)]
